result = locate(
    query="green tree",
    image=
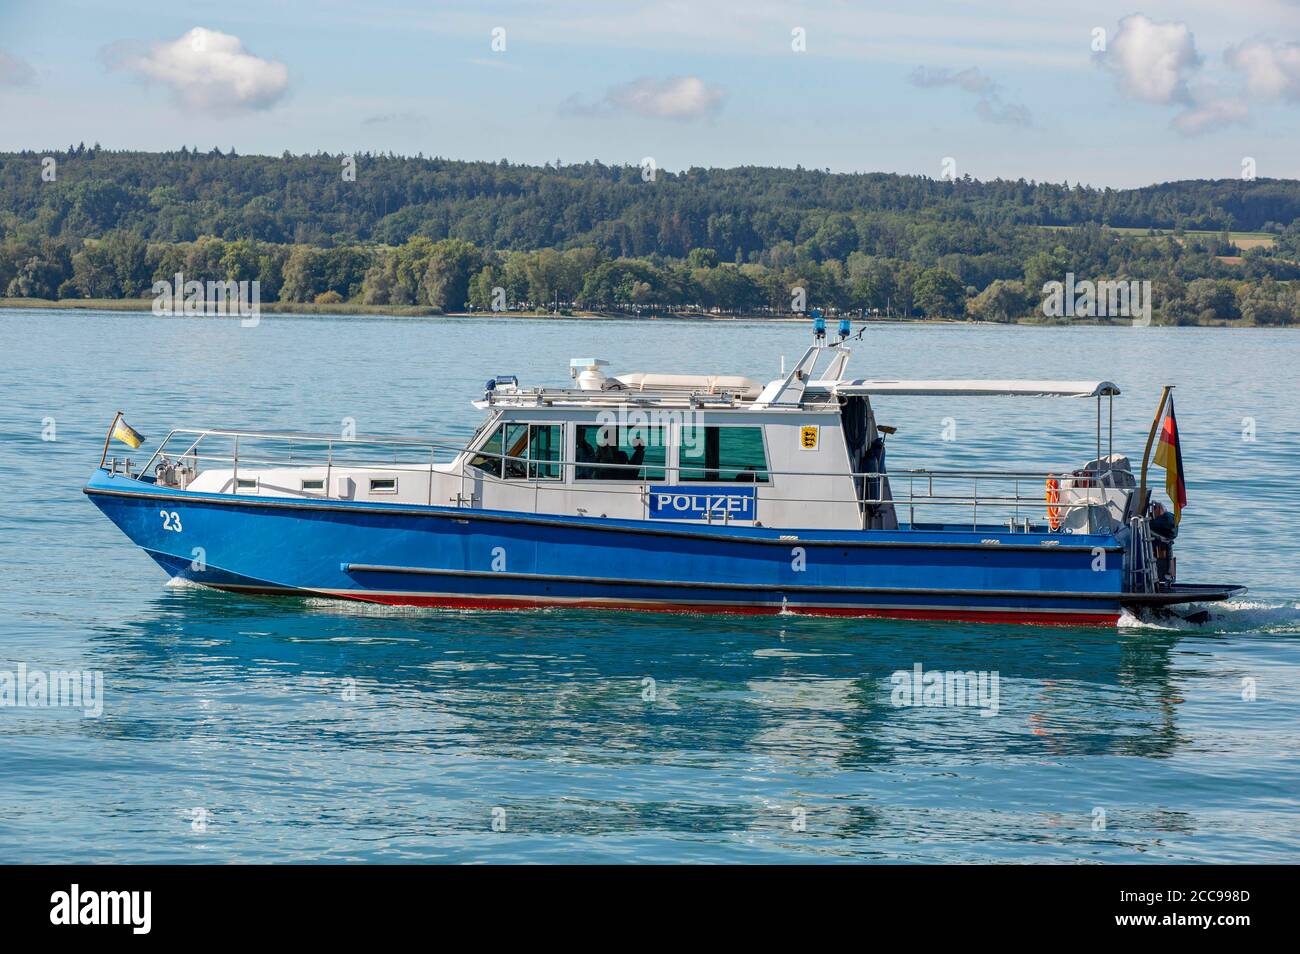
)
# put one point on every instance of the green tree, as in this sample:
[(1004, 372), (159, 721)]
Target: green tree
[(1043, 267), (1001, 301), (304, 274), (938, 293), (1211, 300), (481, 287), (446, 280), (702, 258), (240, 261), (92, 272), (836, 237)]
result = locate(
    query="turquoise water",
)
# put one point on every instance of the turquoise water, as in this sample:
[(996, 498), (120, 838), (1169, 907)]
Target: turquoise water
[(311, 730)]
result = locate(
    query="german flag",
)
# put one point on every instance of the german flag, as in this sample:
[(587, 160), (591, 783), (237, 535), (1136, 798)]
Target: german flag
[(1169, 455)]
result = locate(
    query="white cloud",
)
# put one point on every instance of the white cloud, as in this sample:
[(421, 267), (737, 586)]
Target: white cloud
[(1210, 111), (210, 71), (15, 71), (677, 97), (1151, 60), (1157, 63), (989, 107), (1272, 69)]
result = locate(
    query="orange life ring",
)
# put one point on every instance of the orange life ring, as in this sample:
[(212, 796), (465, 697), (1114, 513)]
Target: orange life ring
[(1053, 497)]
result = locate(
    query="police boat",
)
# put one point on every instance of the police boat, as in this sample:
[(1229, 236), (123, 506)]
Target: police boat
[(658, 491)]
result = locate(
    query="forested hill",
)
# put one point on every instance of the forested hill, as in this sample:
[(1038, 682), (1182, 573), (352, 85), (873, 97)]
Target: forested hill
[(738, 213)]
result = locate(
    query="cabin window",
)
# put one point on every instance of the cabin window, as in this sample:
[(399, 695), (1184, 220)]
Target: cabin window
[(519, 451), (545, 451), (723, 454), (383, 485), (611, 452), (245, 483), (313, 484)]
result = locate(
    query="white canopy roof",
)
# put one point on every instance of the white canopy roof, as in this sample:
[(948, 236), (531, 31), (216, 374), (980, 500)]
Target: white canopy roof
[(976, 388)]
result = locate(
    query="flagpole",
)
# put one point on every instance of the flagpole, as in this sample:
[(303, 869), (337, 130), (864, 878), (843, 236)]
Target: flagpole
[(1146, 454), (116, 417)]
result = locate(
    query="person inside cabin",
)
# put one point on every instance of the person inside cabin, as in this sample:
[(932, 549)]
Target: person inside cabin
[(1163, 532), (619, 465), (585, 455), (637, 458), (607, 454)]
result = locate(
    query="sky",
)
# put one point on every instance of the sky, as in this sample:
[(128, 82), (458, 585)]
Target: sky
[(1106, 93)]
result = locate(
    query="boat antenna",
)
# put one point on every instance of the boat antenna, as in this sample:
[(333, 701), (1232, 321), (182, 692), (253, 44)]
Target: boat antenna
[(845, 337)]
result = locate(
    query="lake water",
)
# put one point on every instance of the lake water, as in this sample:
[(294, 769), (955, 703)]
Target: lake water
[(270, 730)]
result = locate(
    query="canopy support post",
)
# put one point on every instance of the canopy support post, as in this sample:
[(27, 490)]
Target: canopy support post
[(1110, 429), (1098, 457)]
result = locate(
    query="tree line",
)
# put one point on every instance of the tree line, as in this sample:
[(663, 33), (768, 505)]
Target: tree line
[(90, 223), (453, 275)]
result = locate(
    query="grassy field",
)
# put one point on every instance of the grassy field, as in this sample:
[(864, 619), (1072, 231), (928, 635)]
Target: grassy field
[(1243, 240)]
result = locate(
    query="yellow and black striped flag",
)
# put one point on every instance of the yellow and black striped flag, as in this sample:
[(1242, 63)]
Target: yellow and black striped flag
[(127, 434)]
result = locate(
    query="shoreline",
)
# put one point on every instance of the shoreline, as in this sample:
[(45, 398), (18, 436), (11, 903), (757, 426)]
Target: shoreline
[(358, 310)]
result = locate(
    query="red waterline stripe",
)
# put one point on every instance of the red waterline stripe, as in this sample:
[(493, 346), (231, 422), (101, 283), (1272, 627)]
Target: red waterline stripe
[(955, 615)]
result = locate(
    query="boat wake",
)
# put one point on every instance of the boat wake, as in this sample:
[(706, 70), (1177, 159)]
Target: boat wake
[(181, 583), (1232, 616), (336, 607)]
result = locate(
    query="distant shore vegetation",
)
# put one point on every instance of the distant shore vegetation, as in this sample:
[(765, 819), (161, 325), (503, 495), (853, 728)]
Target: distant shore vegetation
[(415, 235)]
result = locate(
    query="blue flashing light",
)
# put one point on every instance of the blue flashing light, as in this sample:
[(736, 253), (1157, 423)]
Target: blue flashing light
[(845, 327), (819, 324)]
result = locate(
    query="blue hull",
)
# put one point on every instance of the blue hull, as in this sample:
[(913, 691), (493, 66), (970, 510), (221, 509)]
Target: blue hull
[(465, 558)]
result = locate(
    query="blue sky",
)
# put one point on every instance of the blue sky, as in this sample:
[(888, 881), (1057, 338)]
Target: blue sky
[(1010, 88)]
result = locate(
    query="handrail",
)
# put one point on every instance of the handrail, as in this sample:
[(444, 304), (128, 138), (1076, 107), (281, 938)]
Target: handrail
[(899, 476), (302, 435), (1014, 501), (282, 435), (626, 479), (333, 440)]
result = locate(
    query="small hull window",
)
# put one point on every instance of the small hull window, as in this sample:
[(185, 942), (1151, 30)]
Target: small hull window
[(383, 485)]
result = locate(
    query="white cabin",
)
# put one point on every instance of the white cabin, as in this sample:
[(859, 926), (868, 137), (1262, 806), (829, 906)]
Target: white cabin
[(796, 452)]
